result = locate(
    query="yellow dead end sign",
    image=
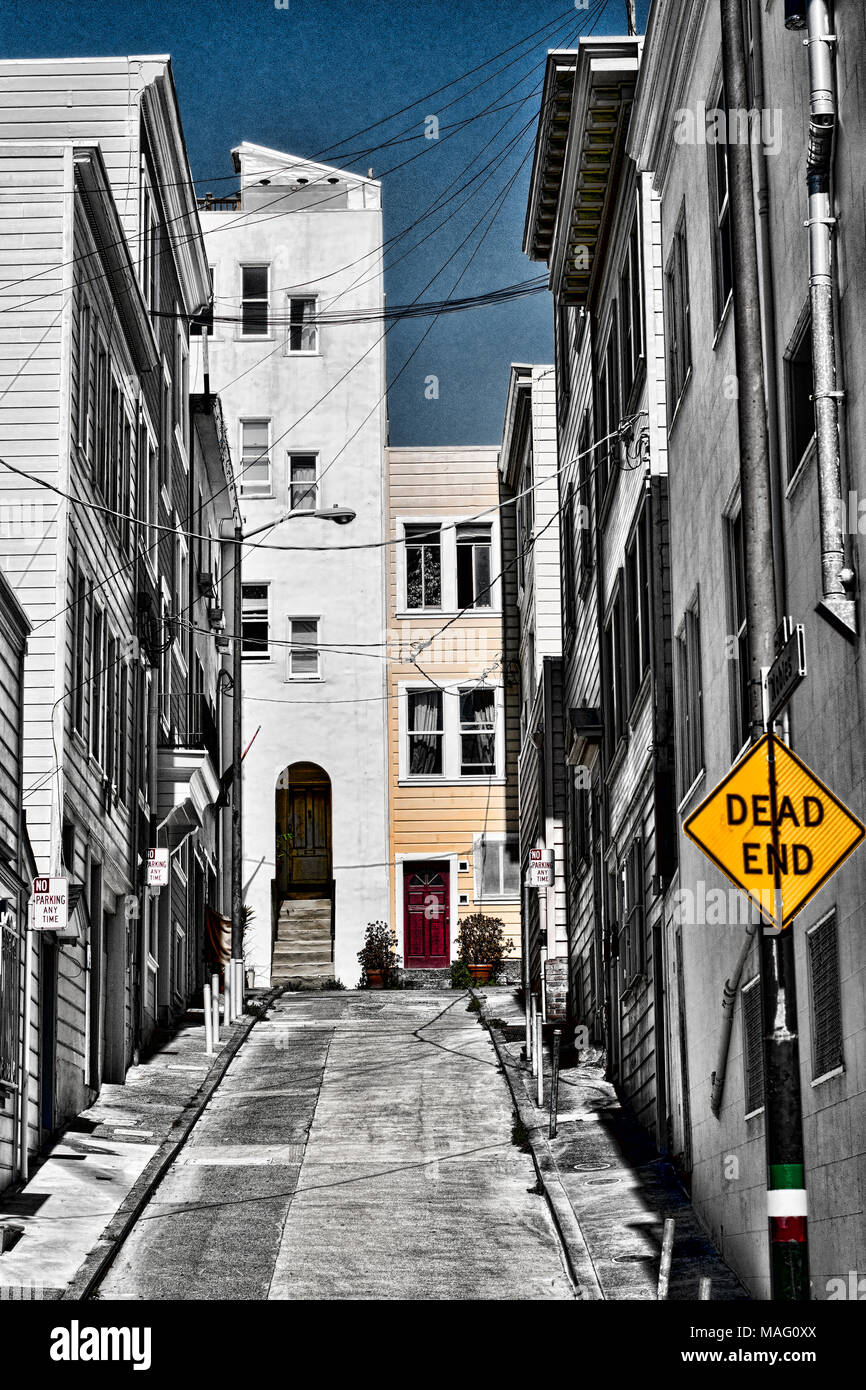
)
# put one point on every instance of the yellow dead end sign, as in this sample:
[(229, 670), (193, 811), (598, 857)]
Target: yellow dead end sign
[(772, 826)]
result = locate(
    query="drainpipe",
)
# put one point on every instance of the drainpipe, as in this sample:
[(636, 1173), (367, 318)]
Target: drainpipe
[(837, 579)]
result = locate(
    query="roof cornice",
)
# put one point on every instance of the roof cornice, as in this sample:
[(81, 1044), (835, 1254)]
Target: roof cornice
[(93, 185), (672, 35)]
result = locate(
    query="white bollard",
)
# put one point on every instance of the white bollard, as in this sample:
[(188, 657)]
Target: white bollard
[(539, 1057), (706, 1289), (208, 1019), (239, 988), (215, 1005), (227, 994), (544, 984), (667, 1257)]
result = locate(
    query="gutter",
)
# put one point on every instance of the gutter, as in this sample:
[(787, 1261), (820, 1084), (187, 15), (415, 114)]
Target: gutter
[(837, 578)]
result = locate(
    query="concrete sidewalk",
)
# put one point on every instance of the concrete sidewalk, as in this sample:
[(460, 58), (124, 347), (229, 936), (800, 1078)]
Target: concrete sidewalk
[(78, 1187), (609, 1190)]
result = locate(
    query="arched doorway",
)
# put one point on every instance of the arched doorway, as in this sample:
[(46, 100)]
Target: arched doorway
[(303, 832)]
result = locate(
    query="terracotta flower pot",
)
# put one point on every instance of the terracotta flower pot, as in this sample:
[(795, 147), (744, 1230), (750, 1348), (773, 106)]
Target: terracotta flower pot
[(481, 973), (376, 979)]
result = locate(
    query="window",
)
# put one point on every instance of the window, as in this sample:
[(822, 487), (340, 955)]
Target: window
[(615, 676), (165, 432), (148, 244), (255, 475), (303, 488), (607, 456), (112, 693), (825, 997), (720, 215), (753, 1047), (126, 500), (473, 566), (637, 618), (79, 640), (525, 518), (477, 733), (678, 316), (798, 392), (738, 654), (303, 331), (181, 383), (631, 313), (205, 319), (304, 651), (83, 406), (563, 346), (423, 566), (426, 733), (121, 775), (632, 949), (569, 597), (101, 420), (585, 467), (497, 867), (254, 301), (112, 474), (254, 622), (579, 818), (690, 727), (97, 683), (9, 977)]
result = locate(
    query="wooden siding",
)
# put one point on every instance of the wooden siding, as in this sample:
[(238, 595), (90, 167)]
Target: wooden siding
[(451, 483)]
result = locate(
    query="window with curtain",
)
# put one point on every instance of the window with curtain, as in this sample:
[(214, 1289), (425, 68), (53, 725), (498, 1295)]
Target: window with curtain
[(302, 483), (426, 733), (303, 331), (304, 651), (423, 566), (473, 565), (477, 733)]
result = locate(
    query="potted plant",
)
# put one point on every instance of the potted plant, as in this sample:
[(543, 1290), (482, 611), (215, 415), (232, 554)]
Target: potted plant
[(482, 945), (378, 956)]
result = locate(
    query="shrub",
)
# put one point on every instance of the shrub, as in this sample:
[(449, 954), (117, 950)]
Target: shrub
[(379, 952), (481, 941), (333, 984), (460, 977)]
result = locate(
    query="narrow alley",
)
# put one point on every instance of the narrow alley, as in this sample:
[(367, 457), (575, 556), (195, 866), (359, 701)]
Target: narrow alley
[(358, 1147)]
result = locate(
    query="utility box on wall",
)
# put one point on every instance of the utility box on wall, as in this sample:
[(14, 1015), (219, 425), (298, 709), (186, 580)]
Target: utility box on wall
[(556, 989)]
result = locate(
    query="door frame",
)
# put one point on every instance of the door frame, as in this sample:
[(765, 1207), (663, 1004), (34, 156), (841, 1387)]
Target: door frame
[(323, 783), (438, 857)]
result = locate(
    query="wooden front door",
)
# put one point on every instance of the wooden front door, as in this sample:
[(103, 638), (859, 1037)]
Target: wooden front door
[(304, 834), (427, 916)]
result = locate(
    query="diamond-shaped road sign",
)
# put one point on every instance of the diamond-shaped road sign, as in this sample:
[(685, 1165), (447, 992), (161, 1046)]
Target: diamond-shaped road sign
[(814, 832)]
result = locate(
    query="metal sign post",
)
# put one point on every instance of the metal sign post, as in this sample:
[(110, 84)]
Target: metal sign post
[(779, 834)]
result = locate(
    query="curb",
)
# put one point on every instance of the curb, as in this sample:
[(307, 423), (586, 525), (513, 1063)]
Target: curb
[(577, 1254), (97, 1263)]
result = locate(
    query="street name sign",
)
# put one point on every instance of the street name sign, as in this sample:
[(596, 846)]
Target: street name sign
[(541, 868), (772, 826), (50, 904), (787, 671), (157, 868)]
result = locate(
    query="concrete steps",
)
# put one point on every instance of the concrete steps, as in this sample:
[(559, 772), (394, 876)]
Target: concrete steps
[(302, 950)]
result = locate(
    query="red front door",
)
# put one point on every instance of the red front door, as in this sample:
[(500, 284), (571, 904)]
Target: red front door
[(427, 916)]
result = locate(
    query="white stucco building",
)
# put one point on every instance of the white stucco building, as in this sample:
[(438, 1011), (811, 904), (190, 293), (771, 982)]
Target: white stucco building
[(296, 351)]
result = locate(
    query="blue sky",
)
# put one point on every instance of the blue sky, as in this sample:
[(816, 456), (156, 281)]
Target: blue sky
[(304, 78)]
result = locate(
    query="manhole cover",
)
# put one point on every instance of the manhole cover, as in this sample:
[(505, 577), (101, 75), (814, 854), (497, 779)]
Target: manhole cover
[(632, 1259), (589, 1167), (590, 1182)]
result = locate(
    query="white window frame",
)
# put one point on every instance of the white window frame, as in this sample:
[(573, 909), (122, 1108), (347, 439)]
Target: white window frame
[(269, 332), (266, 654), (451, 746), (305, 676), (448, 542), (245, 492), (500, 839), (302, 352)]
